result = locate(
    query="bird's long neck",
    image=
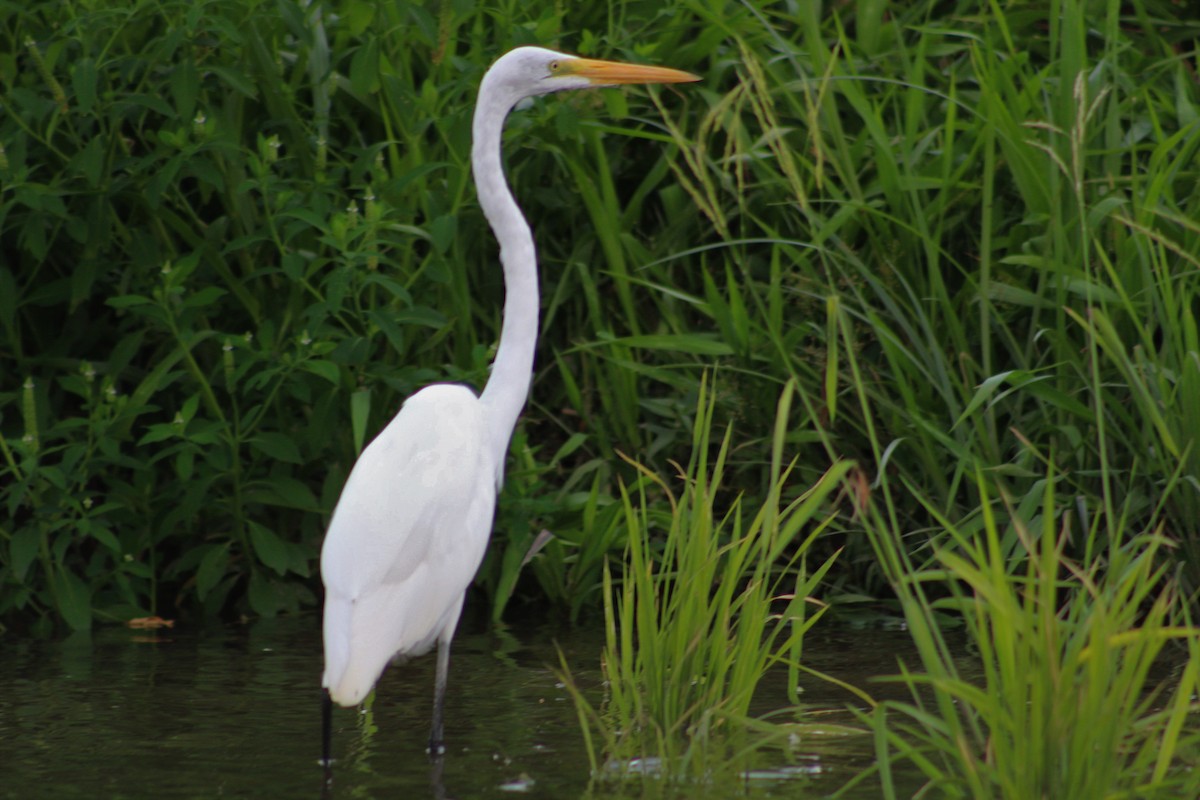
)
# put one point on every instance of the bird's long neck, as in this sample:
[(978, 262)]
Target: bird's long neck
[(512, 372)]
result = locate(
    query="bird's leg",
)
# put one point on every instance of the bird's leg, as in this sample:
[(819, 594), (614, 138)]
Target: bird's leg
[(437, 745), (435, 776), (326, 727)]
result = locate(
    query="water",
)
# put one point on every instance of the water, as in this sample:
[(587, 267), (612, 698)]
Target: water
[(235, 712)]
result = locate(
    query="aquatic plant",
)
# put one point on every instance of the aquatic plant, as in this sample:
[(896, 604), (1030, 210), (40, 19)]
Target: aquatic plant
[(711, 595), (237, 235), (1068, 684)]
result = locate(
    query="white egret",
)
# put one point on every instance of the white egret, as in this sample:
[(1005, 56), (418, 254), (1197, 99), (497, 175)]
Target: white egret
[(413, 521)]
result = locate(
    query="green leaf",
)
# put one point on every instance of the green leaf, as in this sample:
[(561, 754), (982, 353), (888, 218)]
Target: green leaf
[(211, 569), (22, 550), (360, 413), (386, 323), (185, 463), (421, 315), (987, 388), (205, 297), (74, 600), (357, 16), (269, 548), (236, 80), (573, 443), (278, 446), (700, 344), (127, 301), (262, 594), (159, 432), (314, 219), (90, 161), (325, 369), (514, 555), (150, 101), (1004, 293), (104, 536), (364, 68), (83, 80), (283, 491), (8, 297), (184, 84), (442, 232), (616, 106)]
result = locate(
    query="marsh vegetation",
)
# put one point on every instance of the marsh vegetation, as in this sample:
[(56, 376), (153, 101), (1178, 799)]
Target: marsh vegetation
[(896, 321)]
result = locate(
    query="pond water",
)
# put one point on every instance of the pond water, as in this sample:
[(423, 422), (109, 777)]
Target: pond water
[(235, 712)]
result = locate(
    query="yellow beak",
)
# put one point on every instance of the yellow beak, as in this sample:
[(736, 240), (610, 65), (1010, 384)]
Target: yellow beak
[(611, 73)]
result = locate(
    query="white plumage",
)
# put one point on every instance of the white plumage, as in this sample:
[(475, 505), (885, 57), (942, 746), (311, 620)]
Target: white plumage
[(433, 491), (412, 524)]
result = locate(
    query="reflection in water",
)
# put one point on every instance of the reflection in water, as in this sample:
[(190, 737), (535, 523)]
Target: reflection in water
[(235, 712), (435, 777)]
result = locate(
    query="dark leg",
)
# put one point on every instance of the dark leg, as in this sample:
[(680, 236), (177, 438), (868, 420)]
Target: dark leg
[(326, 727), (437, 745)]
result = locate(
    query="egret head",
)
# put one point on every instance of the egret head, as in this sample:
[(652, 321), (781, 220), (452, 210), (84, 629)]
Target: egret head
[(530, 71)]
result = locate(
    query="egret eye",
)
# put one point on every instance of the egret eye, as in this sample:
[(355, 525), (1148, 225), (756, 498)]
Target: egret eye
[(554, 66)]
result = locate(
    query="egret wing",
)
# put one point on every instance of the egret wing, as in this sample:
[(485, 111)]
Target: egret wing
[(406, 538), (408, 496)]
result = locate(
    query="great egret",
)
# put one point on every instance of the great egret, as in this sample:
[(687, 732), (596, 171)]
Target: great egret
[(414, 517)]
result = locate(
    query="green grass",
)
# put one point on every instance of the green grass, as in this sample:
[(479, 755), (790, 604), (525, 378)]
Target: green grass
[(238, 237), (955, 209), (973, 207), (1085, 677), (714, 593), (959, 239), (964, 234)]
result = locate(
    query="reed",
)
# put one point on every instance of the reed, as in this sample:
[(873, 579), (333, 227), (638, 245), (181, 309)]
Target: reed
[(712, 595), (1082, 678)]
